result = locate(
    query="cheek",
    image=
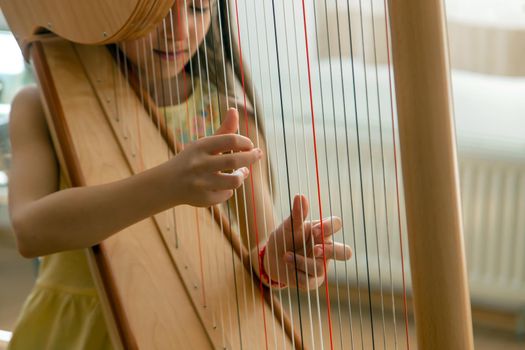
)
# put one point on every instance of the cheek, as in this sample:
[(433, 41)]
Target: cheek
[(199, 30)]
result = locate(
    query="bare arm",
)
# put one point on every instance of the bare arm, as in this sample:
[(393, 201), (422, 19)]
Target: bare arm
[(46, 220)]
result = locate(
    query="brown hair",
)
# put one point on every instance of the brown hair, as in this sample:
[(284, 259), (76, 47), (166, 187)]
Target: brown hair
[(223, 52)]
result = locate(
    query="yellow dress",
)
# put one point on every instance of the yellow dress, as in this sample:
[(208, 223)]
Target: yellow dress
[(63, 310)]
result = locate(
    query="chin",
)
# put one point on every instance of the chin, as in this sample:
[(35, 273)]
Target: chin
[(173, 68)]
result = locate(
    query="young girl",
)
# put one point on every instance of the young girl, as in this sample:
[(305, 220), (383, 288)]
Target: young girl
[(55, 222)]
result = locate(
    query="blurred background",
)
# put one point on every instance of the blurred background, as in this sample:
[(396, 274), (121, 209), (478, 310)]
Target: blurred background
[(16, 273), (487, 48)]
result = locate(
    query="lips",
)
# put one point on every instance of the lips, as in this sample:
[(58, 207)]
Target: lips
[(170, 55)]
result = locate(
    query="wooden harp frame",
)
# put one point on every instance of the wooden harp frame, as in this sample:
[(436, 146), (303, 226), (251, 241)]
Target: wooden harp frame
[(73, 93)]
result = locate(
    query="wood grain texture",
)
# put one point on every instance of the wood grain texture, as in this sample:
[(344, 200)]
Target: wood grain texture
[(109, 21), (101, 161), (428, 151), (154, 285)]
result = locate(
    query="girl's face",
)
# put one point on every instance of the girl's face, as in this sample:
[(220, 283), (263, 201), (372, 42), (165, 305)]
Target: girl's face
[(167, 49)]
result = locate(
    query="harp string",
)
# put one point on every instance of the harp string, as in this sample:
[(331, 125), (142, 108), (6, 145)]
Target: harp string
[(138, 123), (314, 136), (221, 118), (372, 164), (153, 75), (288, 180), (177, 89), (214, 49), (384, 178), (228, 207), (287, 277), (326, 149), (127, 98), (251, 171), (391, 100), (279, 202), (268, 158), (243, 187), (307, 178), (361, 185), (209, 93), (258, 144), (184, 89), (297, 155), (165, 99), (367, 108), (156, 99), (117, 81), (236, 195), (345, 115), (212, 209), (147, 77), (170, 94), (194, 122), (199, 67)]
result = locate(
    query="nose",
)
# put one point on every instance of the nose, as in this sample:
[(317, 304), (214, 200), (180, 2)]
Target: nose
[(179, 20)]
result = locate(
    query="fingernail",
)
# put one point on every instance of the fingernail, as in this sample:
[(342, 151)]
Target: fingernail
[(245, 171), (348, 253), (318, 252), (289, 258)]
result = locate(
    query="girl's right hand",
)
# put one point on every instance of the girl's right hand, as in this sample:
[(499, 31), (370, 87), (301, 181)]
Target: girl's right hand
[(207, 171)]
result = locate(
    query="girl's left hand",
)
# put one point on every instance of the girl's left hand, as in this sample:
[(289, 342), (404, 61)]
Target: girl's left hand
[(281, 260)]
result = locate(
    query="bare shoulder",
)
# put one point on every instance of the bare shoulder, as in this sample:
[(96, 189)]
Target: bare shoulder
[(34, 166), (27, 113)]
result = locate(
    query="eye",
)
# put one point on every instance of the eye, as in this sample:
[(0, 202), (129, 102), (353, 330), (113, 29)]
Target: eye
[(197, 9)]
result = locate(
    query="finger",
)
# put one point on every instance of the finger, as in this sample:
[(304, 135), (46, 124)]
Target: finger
[(328, 227), (228, 181), (308, 241), (230, 124), (337, 251), (224, 162), (310, 266), (225, 143), (299, 213), (218, 197), (305, 282), (300, 210)]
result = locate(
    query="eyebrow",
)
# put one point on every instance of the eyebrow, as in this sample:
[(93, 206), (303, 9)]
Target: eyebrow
[(207, 3)]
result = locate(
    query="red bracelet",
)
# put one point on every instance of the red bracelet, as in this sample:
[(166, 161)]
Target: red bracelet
[(262, 272)]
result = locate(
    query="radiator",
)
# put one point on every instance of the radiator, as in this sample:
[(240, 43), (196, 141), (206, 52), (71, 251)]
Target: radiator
[(493, 195)]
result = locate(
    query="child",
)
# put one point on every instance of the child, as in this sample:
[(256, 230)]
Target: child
[(57, 222)]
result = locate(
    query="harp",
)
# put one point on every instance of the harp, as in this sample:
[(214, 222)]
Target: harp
[(159, 293)]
